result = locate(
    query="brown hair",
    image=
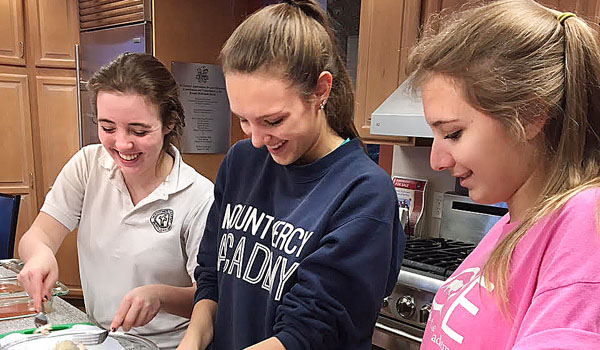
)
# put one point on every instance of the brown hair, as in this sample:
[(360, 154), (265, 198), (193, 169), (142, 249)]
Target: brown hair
[(144, 75), (514, 61), (294, 38)]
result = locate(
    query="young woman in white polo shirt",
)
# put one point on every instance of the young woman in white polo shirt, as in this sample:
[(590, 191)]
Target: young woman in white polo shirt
[(139, 209)]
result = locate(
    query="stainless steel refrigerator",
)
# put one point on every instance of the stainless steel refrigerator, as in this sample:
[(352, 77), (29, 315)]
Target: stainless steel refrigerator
[(106, 32)]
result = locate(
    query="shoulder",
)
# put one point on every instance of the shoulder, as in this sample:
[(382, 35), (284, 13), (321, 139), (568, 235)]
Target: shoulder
[(579, 212), (360, 170), (570, 240)]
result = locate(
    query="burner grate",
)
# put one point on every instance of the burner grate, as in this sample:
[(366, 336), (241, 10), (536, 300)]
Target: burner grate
[(437, 255)]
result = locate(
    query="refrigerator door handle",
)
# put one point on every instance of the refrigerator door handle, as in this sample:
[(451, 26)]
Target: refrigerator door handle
[(78, 78)]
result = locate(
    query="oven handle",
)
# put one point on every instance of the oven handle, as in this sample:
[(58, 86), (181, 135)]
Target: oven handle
[(398, 332)]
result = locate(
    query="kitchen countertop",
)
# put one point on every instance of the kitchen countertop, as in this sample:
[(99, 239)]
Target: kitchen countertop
[(62, 313)]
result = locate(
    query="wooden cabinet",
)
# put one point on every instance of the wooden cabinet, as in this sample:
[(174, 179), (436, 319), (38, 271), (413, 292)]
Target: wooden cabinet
[(57, 125), (388, 29), (38, 108), (17, 171), (12, 39), (55, 31)]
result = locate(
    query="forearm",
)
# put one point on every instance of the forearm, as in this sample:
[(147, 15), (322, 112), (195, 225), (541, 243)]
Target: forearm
[(269, 344), (200, 330), (176, 300)]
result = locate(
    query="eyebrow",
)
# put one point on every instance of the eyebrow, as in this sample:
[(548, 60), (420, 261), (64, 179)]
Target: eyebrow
[(130, 124), (441, 122), (282, 113)]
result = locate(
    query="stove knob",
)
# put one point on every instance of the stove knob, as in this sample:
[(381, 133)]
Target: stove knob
[(385, 302), (424, 313), (406, 306)]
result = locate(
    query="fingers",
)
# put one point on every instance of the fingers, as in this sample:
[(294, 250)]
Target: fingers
[(120, 314), (132, 312), (33, 282)]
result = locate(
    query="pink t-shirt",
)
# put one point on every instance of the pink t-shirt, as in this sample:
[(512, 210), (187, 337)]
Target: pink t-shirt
[(554, 288)]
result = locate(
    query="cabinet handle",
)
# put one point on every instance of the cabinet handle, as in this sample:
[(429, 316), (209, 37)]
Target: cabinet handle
[(21, 49), (31, 180), (77, 78)]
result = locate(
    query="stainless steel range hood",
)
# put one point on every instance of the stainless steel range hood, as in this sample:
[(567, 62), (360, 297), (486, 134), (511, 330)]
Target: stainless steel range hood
[(401, 114)]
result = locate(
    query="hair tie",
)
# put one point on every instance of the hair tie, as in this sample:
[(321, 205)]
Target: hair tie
[(563, 17)]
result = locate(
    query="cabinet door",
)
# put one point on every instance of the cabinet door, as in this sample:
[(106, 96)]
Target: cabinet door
[(12, 49), (58, 125), (16, 158), (388, 29), (58, 134), (16, 172), (54, 32)]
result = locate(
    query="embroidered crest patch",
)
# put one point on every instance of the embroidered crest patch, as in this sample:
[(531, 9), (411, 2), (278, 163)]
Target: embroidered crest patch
[(162, 220)]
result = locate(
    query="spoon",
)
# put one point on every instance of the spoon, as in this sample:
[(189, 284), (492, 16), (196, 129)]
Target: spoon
[(41, 319)]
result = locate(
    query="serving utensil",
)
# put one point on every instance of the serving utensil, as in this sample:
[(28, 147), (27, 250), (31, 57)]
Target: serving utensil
[(40, 319)]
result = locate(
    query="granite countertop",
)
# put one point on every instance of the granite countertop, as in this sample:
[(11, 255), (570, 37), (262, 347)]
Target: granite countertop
[(61, 313)]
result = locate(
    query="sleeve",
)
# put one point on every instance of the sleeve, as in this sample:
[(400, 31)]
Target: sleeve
[(196, 227), (65, 199), (340, 285), (563, 318), (205, 273)]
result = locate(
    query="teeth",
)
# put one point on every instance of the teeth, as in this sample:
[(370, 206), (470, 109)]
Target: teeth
[(277, 145), (128, 156)]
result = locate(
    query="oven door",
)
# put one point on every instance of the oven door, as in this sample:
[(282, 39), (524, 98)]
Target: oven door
[(390, 334)]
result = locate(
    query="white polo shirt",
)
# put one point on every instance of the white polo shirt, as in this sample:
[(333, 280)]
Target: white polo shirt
[(122, 246)]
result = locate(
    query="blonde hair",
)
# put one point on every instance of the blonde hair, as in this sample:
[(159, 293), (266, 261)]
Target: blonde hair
[(514, 61), (294, 39)]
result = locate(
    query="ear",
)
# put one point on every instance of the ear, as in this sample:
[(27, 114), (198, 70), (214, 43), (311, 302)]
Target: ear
[(168, 128), (535, 126), (323, 88)]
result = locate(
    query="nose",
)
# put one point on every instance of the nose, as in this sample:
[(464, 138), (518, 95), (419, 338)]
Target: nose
[(440, 159), (123, 140), (259, 138)]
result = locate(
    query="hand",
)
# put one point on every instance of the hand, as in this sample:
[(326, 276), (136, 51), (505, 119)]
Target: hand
[(38, 276), (138, 307)]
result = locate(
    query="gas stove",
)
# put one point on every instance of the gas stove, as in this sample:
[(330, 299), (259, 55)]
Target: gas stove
[(427, 264)]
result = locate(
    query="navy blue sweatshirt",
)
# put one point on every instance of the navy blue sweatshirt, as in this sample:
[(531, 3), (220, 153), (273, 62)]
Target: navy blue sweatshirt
[(304, 253)]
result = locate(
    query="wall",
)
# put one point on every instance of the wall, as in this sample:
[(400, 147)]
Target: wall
[(414, 162)]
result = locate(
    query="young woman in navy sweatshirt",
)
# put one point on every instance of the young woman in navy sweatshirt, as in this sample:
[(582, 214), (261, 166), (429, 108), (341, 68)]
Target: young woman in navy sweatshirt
[(303, 241)]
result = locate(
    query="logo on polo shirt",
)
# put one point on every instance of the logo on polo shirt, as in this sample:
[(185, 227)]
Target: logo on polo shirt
[(162, 220)]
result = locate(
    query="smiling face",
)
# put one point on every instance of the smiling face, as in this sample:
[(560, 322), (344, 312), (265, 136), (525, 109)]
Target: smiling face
[(492, 163), (275, 115), (130, 130)]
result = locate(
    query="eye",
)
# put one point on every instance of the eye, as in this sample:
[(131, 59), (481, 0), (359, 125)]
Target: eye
[(453, 136), (107, 130), (139, 133), (273, 123)]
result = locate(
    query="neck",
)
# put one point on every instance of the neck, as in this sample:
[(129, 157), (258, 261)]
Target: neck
[(527, 195), (144, 184)]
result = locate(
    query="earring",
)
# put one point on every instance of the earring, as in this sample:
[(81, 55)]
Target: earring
[(323, 103)]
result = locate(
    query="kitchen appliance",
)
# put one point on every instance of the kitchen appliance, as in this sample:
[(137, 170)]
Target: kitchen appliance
[(401, 114), (107, 29), (426, 265)]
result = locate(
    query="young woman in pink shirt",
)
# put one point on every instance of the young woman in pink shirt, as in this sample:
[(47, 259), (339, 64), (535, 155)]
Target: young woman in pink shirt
[(511, 91)]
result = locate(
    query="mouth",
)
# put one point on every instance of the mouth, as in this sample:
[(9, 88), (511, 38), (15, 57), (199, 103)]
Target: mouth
[(128, 157), (463, 176), (276, 146)]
